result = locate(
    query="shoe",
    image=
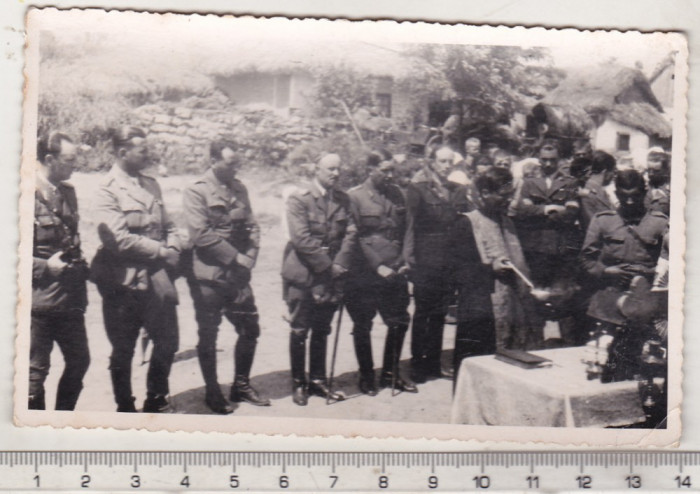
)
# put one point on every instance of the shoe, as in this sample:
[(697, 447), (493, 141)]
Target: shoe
[(319, 387), (440, 372), (300, 393), (243, 391), (399, 384), (418, 374), (216, 401), (127, 406), (157, 404), (367, 386)]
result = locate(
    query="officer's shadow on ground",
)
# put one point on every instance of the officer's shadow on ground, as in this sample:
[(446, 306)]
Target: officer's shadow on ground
[(276, 385)]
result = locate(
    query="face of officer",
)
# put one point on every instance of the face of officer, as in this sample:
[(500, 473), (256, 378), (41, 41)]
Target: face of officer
[(657, 172), (226, 168), (135, 155), (382, 175), (328, 171), (631, 201), (549, 159), (60, 166), (443, 162)]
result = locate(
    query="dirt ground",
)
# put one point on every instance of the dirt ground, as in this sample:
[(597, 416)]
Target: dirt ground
[(271, 368)]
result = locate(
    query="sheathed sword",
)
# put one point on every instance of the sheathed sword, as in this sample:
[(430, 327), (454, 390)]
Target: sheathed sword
[(335, 352)]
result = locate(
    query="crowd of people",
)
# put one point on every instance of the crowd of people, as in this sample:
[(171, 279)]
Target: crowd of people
[(511, 244)]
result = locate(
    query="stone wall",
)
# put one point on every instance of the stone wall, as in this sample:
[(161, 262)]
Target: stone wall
[(180, 133)]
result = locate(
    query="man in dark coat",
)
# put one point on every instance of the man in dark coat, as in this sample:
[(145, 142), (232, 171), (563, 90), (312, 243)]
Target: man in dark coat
[(432, 204), (546, 217), (59, 273), (321, 243), (375, 282), (495, 307), (226, 240)]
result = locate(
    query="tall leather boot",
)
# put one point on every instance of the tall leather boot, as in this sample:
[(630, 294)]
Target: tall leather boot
[(433, 365), (121, 384), (297, 357), (391, 377), (37, 401), (243, 391), (363, 352), (213, 397), (317, 368), (67, 396)]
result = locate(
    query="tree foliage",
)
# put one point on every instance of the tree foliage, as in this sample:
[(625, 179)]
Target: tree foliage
[(489, 83), (483, 86)]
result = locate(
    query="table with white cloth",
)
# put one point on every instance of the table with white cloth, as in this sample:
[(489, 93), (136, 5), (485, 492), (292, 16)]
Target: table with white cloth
[(493, 392)]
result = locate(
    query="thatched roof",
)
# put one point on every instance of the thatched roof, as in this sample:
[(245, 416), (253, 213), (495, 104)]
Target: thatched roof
[(609, 91), (642, 116), (602, 87), (286, 56), (563, 121)]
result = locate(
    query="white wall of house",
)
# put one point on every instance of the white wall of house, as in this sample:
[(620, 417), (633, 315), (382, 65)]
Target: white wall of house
[(610, 137), (300, 91), (294, 91)]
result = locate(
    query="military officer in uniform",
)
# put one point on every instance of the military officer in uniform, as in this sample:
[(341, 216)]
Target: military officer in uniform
[(133, 271), (375, 282), (226, 239), (321, 242), (59, 274), (619, 245), (432, 205)]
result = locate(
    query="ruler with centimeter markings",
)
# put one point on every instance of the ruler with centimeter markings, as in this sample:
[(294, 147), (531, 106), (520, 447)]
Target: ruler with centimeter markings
[(348, 471)]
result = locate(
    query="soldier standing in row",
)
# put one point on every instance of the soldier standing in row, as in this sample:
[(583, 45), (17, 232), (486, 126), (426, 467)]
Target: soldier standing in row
[(133, 269), (376, 283), (321, 242), (432, 205), (59, 274), (226, 240), (619, 245)]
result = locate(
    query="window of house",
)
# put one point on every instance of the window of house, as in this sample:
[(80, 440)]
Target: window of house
[(384, 104), (623, 142)]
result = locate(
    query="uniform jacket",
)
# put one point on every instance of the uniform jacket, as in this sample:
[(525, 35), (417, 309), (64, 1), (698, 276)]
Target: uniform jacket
[(321, 233), (221, 225), (431, 213), (610, 240), (540, 232), (381, 225), (56, 229), (133, 225), (594, 200)]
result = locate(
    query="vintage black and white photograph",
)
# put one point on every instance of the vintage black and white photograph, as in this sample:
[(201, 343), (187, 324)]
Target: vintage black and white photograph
[(371, 228)]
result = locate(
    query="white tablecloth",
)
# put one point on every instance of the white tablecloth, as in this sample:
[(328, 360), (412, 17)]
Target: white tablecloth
[(492, 392)]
